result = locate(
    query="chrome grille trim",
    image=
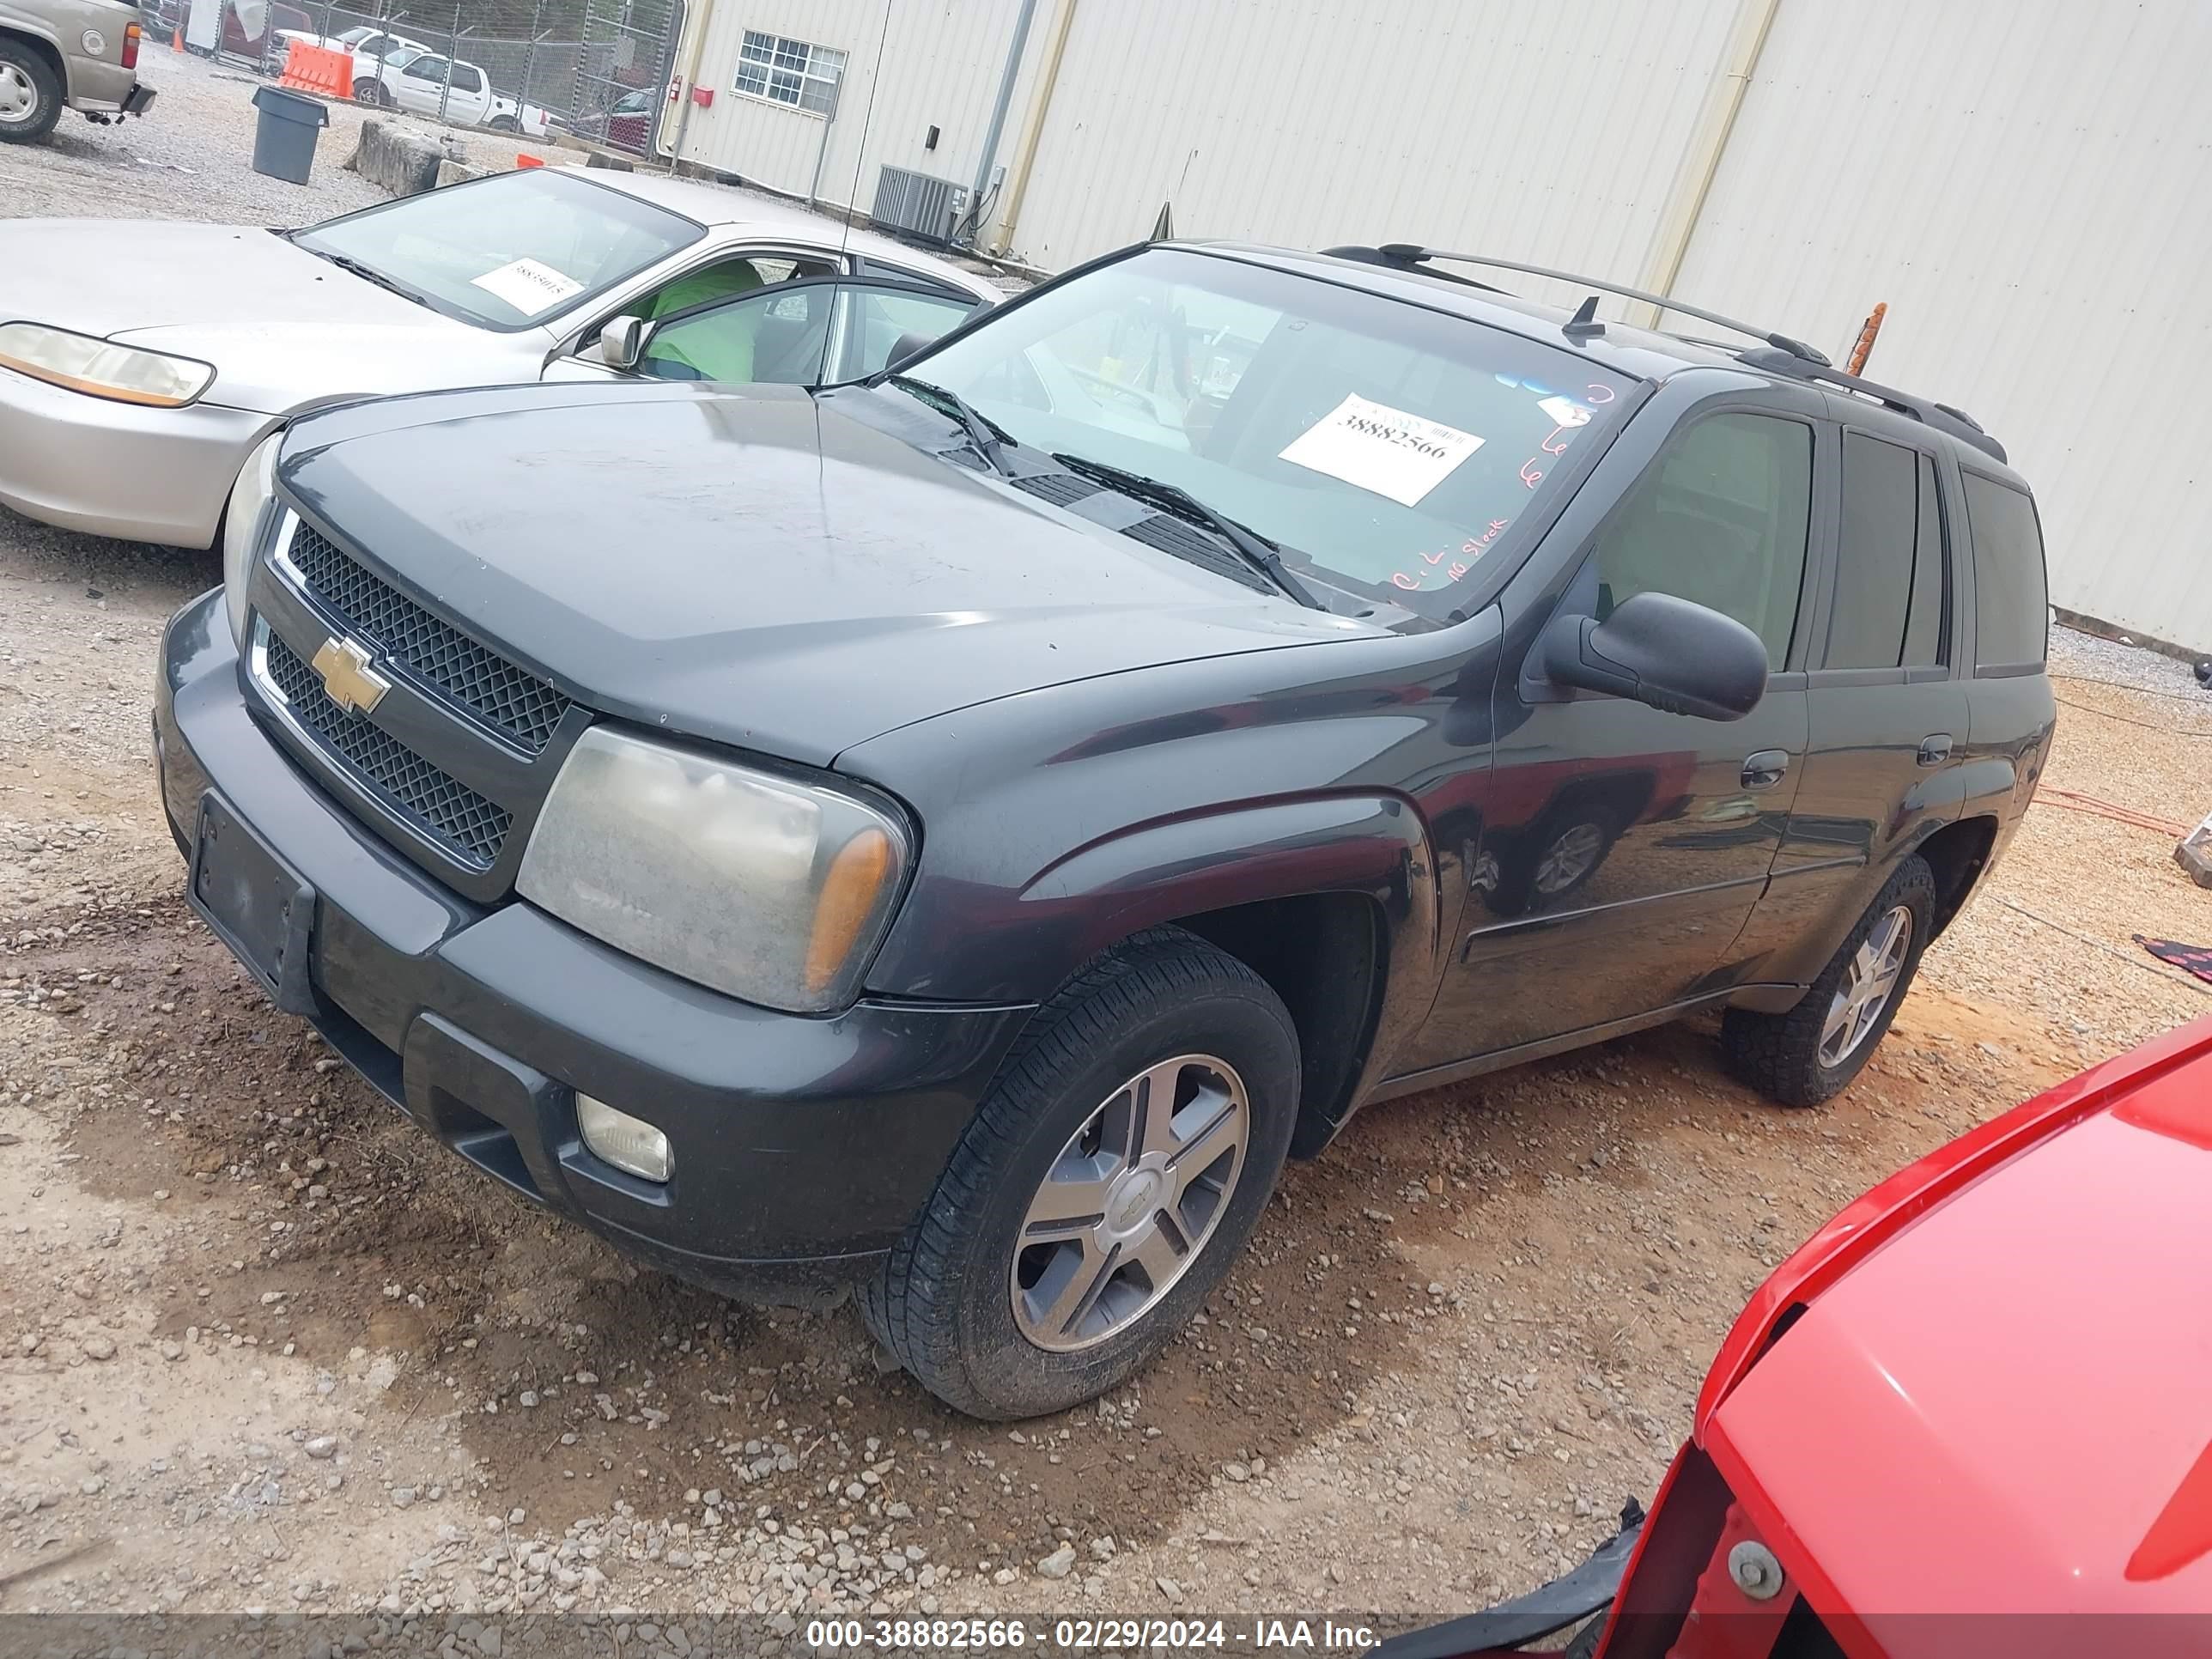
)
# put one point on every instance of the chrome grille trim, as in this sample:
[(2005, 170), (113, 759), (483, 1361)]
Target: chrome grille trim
[(476, 680), (454, 818)]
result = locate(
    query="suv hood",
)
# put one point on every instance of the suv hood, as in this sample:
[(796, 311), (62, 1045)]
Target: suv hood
[(2004, 1407), (280, 326), (753, 566)]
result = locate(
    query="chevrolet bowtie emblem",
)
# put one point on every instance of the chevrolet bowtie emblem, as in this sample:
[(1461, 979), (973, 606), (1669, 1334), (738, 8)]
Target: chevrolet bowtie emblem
[(347, 678)]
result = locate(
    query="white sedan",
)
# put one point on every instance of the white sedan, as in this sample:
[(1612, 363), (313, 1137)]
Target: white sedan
[(141, 363)]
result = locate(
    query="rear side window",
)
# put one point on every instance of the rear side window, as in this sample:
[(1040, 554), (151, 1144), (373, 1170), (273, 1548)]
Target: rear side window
[(1719, 519), (1927, 631), (1873, 566), (2011, 605), (1890, 582)]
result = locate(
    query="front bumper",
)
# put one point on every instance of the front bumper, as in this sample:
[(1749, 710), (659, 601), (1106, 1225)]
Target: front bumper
[(802, 1147), (115, 469)]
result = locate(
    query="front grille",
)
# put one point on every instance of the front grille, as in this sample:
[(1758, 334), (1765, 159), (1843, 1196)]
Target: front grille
[(511, 699), (470, 829)]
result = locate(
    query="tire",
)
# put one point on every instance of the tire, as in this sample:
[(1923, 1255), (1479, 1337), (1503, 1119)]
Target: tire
[(1798, 1059), (504, 124), (969, 1308), (30, 94), (366, 90)]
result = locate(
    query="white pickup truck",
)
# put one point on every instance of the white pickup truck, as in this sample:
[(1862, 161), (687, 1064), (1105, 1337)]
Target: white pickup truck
[(415, 78)]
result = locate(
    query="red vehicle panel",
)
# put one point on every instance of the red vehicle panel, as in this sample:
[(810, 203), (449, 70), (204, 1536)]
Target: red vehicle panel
[(1972, 1415)]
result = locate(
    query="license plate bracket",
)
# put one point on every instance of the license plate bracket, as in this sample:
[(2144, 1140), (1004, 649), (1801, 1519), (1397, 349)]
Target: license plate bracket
[(254, 902)]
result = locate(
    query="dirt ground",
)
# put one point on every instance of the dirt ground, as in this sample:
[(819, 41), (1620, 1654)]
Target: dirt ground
[(262, 1346)]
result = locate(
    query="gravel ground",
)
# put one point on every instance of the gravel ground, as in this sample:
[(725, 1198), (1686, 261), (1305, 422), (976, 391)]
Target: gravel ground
[(190, 157)]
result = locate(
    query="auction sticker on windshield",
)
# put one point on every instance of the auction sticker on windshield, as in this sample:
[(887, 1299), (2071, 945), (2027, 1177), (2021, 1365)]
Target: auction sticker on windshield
[(529, 286), (1386, 450)]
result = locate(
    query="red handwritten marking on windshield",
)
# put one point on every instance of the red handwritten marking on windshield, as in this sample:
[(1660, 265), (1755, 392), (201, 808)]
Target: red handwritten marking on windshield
[(1531, 479), (1599, 394), (1551, 448)]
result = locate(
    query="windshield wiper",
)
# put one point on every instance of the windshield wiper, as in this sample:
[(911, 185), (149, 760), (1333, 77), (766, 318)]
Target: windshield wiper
[(985, 439), (1258, 551), (354, 267)]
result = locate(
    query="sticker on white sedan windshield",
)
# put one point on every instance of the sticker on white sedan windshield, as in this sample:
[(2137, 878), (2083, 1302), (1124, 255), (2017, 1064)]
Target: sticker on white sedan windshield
[(1386, 450), (528, 286)]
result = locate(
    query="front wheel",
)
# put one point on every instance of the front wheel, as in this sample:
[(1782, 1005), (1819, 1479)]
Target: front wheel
[(1807, 1055), (30, 94), (1108, 1177)]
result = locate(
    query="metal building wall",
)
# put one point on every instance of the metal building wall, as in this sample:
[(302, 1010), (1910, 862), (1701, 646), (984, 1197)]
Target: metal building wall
[(2029, 184), (941, 63), (1551, 131)]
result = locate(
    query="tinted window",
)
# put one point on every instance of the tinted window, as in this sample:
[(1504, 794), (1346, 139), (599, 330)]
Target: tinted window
[(466, 79), (1875, 558), (1927, 637), (1720, 519), (2010, 605)]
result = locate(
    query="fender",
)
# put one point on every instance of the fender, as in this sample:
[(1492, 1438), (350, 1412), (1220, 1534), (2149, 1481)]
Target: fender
[(1021, 945)]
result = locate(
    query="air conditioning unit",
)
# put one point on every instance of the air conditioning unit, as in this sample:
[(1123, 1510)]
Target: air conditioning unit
[(915, 205)]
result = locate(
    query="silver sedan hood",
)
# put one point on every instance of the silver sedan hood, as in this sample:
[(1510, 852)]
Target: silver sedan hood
[(282, 327)]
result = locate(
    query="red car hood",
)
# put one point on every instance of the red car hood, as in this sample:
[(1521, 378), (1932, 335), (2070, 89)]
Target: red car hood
[(1998, 1396)]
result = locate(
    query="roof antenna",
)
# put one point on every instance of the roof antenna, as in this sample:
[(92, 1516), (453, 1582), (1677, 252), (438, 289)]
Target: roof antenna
[(1584, 325), (860, 155)]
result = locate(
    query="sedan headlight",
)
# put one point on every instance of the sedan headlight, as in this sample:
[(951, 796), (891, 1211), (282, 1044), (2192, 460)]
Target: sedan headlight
[(767, 889), (245, 525), (101, 368)]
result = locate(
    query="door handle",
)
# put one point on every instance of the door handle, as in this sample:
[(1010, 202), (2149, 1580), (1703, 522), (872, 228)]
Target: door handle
[(1766, 769), (1935, 750)]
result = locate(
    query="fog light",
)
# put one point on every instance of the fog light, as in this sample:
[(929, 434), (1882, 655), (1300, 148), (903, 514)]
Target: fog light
[(628, 1143)]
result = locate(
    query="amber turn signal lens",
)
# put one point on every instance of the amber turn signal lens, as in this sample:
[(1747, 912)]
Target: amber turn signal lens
[(848, 898)]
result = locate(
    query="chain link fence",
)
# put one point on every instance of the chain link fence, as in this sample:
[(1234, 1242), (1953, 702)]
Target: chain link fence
[(598, 69)]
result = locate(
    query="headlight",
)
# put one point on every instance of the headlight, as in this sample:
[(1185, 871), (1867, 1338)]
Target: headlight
[(101, 368), (751, 884), (252, 500)]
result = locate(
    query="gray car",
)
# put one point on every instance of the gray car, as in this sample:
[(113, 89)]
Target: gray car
[(141, 363), (73, 54)]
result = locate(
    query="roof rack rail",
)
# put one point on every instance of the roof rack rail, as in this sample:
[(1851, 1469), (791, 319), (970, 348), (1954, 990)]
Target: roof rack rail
[(1942, 416), (1406, 255)]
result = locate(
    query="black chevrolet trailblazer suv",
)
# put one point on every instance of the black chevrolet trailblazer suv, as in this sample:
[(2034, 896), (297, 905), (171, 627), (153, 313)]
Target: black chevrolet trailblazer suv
[(954, 836)]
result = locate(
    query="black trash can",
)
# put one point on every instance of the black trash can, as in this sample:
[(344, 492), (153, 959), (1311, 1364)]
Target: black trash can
[(284, 139)]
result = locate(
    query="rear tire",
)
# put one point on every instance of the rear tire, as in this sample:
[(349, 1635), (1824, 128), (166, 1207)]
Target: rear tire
[(30, 94), (366, 90), (1001, 1315), (504, 124), (1806, 1055)]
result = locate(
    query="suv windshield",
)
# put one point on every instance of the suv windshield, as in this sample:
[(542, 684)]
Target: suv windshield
[(515, 249), (1388, 447)]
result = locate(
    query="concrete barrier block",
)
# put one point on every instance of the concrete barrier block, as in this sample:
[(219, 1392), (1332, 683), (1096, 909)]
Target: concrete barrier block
[(396, 159)]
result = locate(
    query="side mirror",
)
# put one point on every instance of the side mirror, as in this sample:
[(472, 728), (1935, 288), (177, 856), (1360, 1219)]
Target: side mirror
[(622, 342), (1680, 658)]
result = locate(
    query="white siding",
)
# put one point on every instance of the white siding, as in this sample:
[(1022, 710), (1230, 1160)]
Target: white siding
[(2029, 184), (1543, 131), (944, 58)]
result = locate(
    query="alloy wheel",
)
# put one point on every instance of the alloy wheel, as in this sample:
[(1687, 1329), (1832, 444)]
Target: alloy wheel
[(19, 99), (1130, 1202), (1866, 987)]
